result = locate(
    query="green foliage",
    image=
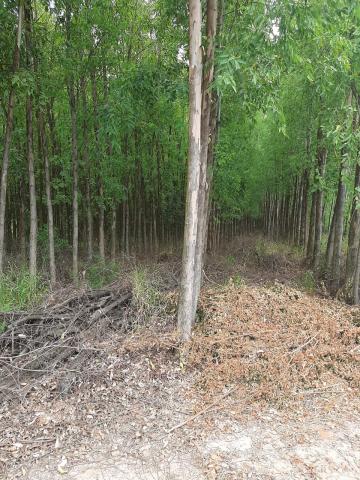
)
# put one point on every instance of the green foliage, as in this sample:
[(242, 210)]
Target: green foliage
[(101, 273), (230, 260), (238, 281), (19, 290), (60, 244), (145, 289), (307, 282)]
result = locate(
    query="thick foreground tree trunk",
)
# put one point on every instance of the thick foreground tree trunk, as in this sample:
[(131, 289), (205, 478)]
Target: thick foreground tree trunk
[(8, 133), (206, 124), (186, 310)]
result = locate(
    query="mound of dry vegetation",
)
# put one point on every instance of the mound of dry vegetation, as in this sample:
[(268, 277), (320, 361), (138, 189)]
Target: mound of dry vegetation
[(275, 343)]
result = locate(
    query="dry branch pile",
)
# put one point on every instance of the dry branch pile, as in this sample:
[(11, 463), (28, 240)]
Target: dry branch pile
[(56, 340)]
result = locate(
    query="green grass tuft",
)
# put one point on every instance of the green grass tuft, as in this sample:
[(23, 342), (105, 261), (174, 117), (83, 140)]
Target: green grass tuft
[(19, 290), (101, 273)]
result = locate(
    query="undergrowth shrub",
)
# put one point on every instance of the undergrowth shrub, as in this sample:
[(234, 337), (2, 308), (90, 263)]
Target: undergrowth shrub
[(265, 248), (101, 273), (146, 291), (19, 290), (230, 260), (307, 281)]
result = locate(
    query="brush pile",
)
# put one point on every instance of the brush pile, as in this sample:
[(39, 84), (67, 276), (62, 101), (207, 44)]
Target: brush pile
[(57, 340)]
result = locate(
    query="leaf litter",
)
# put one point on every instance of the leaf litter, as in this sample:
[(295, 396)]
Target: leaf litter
[(253, 347)]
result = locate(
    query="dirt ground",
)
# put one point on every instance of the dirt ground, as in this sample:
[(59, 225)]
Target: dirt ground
[(268, 390), (273, 446)]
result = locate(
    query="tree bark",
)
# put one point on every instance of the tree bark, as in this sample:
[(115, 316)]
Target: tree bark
[(113, 233), (29, 145), (319, 204), (50, 216), (338, 229), (8, 134), (101, 186), (354, 229), (86, 158), (75, 167), (206, 124), (186, 310), (74, 157), (304, 209)]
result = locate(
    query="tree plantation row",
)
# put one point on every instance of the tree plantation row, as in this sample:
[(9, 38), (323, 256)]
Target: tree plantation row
[(130, 125)]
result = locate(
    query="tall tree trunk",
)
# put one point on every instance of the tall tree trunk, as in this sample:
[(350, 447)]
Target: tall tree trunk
[(311, 235), (75, 167), (186, 310), (304, 209), (113, 233), (354, 229), (8, 134), (338, 229), (50, 216), (206, 124), (356, 280), (86, 158), (22, 240), (319, 205), (29, 145), (101, 186), (74, 157), (330, 242)]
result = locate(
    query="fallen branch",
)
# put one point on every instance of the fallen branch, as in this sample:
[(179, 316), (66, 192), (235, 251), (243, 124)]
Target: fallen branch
[(101, 312)]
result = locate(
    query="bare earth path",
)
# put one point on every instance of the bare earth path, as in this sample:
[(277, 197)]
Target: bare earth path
[(325, 447)]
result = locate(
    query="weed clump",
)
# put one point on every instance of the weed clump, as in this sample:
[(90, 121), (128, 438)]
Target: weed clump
[(146, 292), (19, 290), (307, 282), (101, 273)]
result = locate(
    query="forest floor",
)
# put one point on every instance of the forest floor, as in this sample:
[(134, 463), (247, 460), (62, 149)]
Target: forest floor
[(268, 388)]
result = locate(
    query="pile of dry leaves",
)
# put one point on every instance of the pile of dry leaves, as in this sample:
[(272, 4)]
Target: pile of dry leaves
[(275, 343)]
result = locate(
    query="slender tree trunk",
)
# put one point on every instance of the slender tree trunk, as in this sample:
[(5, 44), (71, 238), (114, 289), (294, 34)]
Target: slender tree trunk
[(186, 310), (311, 235), (304, 209), (356, 281), (86, 158), (29, 145), (321, 158), (75, 194), (8, 134), (101, 186), (74, 158), (22, 240), (113, 233), (330, 243), (338, 233), (50, 216), (354, 229), (127, 227)]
